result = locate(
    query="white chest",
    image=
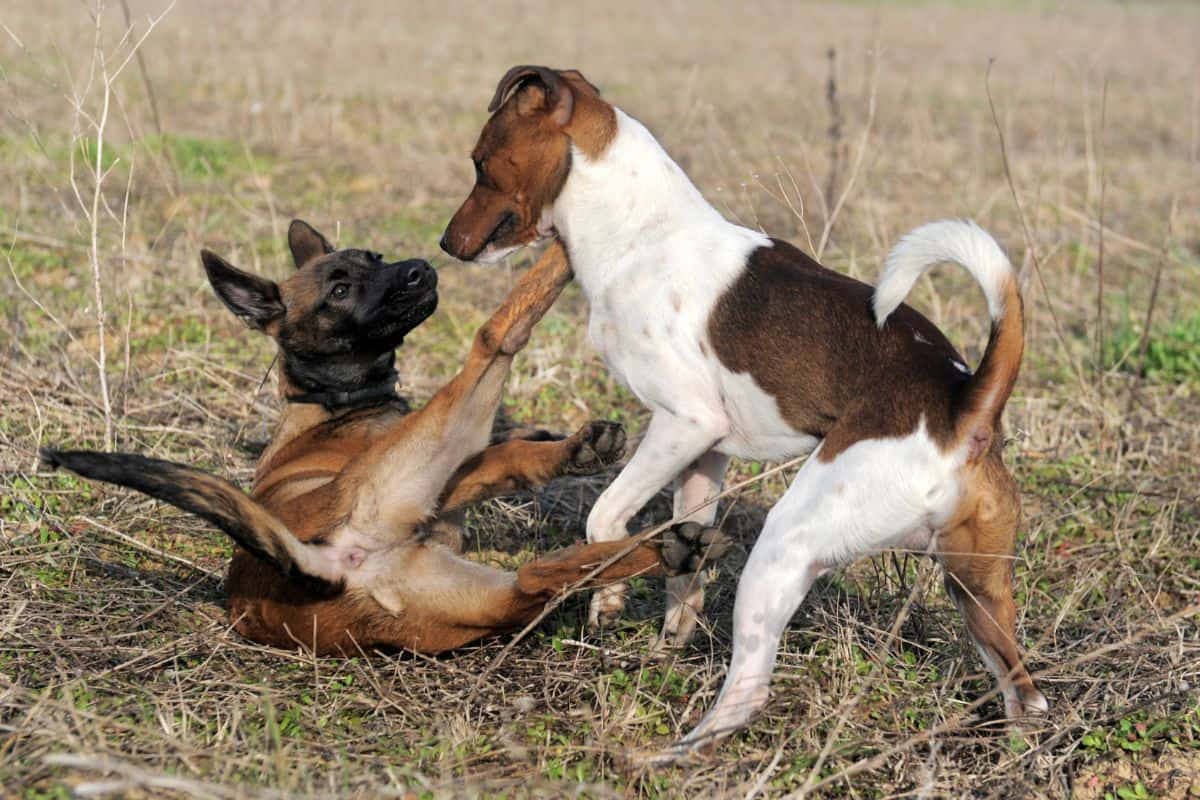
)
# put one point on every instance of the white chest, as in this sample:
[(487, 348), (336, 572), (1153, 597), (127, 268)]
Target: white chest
[(654, 259)]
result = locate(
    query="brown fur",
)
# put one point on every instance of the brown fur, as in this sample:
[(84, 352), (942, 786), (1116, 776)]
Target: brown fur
[(808, 337), (340, 548), (835, 375), (523, 156)]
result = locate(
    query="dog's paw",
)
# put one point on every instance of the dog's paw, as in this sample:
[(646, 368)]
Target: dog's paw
[(595, 446), (606, 606), (688, 546)]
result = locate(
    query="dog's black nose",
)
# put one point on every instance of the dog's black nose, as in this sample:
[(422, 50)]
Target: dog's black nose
[(444, 243), (417, 272)]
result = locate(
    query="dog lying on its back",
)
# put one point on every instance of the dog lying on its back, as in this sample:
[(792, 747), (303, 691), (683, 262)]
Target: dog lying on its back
[(338, 547)]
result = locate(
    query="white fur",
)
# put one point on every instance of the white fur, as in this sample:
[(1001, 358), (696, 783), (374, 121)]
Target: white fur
[(959, 241), (878, 493), (654, 258)]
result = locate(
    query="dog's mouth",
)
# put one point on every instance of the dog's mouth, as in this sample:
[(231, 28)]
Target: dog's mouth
[(419, 310), (405, 319), (492, 254)]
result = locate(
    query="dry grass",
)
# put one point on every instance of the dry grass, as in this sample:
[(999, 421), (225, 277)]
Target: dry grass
[(117, 669)]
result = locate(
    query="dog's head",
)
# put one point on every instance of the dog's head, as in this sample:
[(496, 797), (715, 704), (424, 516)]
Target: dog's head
[(339, 317), (523, 157)]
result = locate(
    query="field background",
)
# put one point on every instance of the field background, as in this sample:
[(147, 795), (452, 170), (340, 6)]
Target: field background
[(117, 669)]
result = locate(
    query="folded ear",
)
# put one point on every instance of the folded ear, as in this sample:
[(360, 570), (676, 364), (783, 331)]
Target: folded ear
[(254, 300), (539, 90), (306, 242), (576, 77)]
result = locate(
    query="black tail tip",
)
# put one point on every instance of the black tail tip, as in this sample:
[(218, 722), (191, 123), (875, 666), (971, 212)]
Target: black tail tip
[(51, 459)]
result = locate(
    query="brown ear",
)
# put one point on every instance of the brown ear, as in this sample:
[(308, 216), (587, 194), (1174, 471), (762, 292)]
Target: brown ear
[(556, 98), (306, 242), (576, 75), (254, 300)]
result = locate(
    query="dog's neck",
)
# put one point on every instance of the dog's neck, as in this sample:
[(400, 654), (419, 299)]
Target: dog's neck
[(632, 194), (309, 402), (337, 385)]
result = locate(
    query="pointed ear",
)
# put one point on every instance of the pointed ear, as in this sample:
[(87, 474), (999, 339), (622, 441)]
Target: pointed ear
[(306, 242), (254, 300), (539, 90)]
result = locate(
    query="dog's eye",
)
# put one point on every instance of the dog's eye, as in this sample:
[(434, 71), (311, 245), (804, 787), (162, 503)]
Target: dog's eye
[(340, 291), (479, 164)]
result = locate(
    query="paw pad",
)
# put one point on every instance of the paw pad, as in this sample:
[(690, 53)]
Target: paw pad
[(688, 546), (600, 444)]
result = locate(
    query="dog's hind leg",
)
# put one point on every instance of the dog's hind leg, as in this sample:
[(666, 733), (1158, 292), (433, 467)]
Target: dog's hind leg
[(699, 484), (978, 557), (782, 566), (448, 601), (874, 494)]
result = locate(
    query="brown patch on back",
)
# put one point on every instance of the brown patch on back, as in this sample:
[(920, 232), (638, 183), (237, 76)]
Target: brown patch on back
[(807, 336)]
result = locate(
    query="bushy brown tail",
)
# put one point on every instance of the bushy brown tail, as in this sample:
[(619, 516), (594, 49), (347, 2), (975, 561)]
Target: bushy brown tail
[(213, 499)]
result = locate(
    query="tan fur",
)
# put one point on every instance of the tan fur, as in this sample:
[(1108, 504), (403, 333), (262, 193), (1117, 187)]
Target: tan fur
[(977, 551), (349, 539), (447, 601)]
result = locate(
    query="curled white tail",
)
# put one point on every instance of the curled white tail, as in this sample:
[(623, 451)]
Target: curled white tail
[(959, 241), (981, 401)]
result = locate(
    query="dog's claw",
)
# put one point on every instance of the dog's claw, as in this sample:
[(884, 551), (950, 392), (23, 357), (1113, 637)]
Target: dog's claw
[(599, 445), (688, 546)]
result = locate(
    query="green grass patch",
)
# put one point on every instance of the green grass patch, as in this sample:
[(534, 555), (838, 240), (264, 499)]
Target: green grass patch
[(1172, 351), (199, 158)]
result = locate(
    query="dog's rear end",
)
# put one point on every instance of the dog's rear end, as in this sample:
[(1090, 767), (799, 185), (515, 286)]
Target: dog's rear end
[(920, 471), (977, 546)]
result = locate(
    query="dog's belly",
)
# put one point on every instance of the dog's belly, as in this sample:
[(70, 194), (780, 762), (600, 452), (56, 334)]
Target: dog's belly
[(756, 428), (665, 361)]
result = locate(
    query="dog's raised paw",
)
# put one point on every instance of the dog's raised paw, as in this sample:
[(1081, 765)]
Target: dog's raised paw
[(598, 444), (688, 546)]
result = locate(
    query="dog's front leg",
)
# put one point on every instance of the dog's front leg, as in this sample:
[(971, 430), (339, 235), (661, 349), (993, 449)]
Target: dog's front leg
[(403, 475), (672, 441)]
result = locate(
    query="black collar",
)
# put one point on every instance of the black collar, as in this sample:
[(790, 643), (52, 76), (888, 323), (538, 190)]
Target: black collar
[(336, 401)]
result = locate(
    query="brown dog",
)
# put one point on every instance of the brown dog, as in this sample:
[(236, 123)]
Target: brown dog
[(338, 546)]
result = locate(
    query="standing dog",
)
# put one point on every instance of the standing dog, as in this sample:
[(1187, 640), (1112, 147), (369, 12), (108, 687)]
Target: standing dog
[(742, 345), (337, 546)]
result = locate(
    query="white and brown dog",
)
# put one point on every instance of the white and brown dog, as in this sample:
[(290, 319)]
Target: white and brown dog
[(741, 345)]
